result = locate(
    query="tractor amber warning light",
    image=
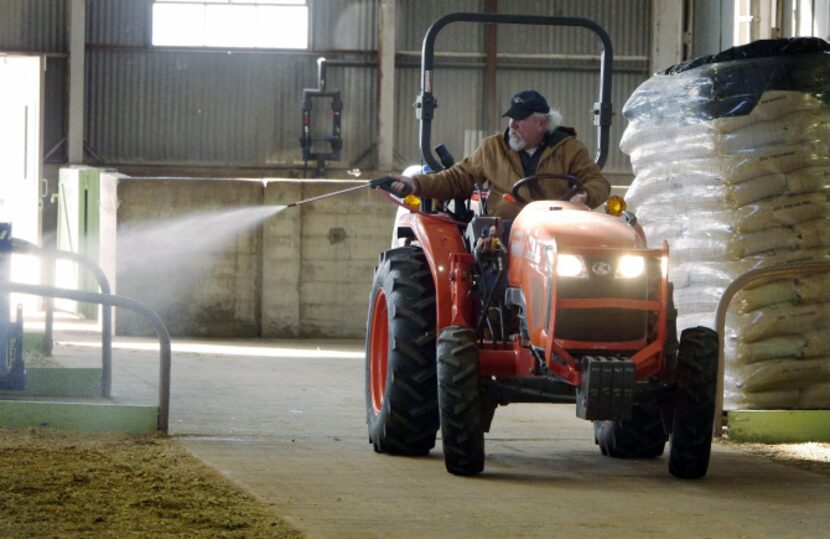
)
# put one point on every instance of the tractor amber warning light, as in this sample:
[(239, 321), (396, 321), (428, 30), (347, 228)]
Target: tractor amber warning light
[(412, 202), (615, 206)]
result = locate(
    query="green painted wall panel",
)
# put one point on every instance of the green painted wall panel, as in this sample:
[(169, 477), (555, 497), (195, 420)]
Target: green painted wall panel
[(778, 426), (60, 382), (85, 417)]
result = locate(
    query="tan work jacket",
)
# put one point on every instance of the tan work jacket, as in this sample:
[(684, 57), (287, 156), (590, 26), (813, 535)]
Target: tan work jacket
[(495, 161)]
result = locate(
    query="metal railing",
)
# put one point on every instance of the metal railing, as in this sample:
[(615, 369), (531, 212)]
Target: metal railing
[(117, 301), (24, 247), (753, 276)]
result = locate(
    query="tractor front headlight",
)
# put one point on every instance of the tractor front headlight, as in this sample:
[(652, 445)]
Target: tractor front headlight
[(630, 267), (571, 266)]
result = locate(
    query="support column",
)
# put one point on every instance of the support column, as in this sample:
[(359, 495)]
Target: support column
[(77, 41), (666, 34), (821, 19), (491, 111), (386, 85)]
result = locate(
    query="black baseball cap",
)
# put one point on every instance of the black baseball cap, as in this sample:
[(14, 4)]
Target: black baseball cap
[(526, 103)]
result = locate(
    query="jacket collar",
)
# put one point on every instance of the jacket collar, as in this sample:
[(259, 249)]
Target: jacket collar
[(549, 143), (549, 140)]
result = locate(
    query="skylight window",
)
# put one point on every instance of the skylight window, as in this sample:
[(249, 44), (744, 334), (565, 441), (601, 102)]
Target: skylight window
[(273, 24)]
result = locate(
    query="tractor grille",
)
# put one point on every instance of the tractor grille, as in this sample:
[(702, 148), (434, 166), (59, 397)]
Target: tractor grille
[(603, 325)]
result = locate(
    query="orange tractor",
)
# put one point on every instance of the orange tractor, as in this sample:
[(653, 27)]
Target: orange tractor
[(567, 306)]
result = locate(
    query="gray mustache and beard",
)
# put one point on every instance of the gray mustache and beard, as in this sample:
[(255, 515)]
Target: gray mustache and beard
[(516, 141)]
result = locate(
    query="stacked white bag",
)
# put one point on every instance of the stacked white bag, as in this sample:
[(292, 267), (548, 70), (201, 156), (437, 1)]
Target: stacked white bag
[(734, 192)]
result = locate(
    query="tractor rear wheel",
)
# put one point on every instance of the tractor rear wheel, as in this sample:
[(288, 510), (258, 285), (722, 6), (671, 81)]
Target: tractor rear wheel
[(641, 437), (401, 390), (694, 412), (462, 428)]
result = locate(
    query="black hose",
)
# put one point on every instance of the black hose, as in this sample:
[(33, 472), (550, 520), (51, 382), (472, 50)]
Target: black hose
[(486, 308)]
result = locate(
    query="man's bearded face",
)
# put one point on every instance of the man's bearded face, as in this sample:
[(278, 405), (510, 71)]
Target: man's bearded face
[(526, 133), (516, 140)]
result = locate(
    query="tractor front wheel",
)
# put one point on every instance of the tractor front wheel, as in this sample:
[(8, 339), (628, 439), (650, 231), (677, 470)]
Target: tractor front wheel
[(459, 400), (694, 412), (641, 437), (401, 399)]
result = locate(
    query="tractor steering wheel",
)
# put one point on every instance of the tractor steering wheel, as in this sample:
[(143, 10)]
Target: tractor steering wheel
[(574, 185)]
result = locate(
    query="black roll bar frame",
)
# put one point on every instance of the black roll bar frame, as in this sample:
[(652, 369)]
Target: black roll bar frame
[(426, 103)]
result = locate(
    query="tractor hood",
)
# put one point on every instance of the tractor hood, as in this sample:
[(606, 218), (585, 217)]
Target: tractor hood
[(572, 226)]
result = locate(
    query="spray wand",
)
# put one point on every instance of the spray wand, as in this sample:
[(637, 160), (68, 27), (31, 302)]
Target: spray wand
[(384, 183), (378, 183)]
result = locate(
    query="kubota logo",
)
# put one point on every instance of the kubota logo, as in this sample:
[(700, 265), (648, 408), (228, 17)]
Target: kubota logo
[(601, 268)]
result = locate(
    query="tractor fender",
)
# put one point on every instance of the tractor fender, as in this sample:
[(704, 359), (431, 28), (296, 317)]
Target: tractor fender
[(441, 240)]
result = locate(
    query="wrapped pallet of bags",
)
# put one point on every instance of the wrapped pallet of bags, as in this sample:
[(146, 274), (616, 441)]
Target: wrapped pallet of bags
[(732, 160)]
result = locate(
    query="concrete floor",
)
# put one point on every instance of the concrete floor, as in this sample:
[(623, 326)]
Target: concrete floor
[(285, 420)]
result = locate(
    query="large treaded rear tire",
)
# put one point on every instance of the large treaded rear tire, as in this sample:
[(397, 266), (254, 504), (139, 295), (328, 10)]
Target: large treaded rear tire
[(641, 437), (694, 413), (401, 389), (462, 428)]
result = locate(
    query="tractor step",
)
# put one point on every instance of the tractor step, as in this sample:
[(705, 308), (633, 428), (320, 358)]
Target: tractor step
[(607, 388)]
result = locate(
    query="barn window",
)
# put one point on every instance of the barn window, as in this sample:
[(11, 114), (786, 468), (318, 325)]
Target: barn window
[(272, 24)]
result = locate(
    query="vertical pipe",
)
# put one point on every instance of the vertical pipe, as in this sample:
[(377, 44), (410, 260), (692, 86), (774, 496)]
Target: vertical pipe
[(5, 276), (491, 114), (386, 85), (49, 277), (321, 74), (77, 39), (666, 34)]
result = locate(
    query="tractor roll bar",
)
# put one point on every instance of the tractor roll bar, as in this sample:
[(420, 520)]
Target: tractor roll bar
[(118, 301), (426, 103)]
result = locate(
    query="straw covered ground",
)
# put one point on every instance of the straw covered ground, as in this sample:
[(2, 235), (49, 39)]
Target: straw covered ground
[(59, 484)]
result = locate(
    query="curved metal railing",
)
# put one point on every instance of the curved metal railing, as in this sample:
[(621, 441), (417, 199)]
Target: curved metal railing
[(753, 276), (24, 247), (117, 301)]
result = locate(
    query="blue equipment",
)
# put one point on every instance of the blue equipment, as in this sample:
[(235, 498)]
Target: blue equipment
[(12, 369)]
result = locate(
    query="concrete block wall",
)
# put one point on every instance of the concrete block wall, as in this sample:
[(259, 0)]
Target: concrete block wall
[(176, 253), (341, 239), (304, 272), (282, 238)]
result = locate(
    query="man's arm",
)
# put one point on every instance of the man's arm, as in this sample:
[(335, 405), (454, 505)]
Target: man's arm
[(580, 164), (457, 181)]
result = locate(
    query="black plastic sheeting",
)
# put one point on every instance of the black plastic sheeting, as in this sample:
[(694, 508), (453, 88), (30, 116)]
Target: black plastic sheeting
[(731, 82), (763, 48)]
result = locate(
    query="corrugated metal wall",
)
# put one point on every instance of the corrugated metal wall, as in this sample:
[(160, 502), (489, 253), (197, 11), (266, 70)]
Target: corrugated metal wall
[(120, 23), (242, 109), (344, 24), (33, 25), (220, 108), (196, 108)]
